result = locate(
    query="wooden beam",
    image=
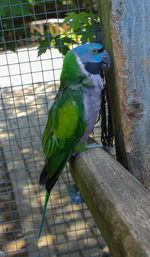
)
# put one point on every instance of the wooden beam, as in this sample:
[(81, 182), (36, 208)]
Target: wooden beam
[(126, 35), (118, 202)]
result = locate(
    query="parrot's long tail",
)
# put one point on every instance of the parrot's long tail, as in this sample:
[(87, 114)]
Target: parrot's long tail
[(47, 194), (49, 183)]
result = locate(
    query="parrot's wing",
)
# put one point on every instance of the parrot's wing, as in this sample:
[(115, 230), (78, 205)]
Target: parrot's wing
[(65, 126)]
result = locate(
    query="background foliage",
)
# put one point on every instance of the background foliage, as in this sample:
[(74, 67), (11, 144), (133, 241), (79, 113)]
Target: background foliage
[(15, 16)]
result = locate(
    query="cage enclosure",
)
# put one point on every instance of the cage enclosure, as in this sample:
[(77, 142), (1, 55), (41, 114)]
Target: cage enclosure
[(34, 38)]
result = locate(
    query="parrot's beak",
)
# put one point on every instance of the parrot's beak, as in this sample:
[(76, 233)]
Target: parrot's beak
[(106, 61)]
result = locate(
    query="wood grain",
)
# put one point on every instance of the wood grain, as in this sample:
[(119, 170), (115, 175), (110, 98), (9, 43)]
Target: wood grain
[(126, 35), (117, 201)]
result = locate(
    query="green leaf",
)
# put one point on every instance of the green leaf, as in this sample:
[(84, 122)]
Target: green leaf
[(75, 25), (44, 44), (79, 21), (33, 2), (84, 17), (74, 21), (62, 49), (60, 43), (87, 36), (67, 19), (74, 16), (68, 40), (20, 7), (4, 8), (15, 8)]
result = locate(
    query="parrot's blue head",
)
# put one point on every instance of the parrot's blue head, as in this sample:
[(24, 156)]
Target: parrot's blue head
[(93, 56)]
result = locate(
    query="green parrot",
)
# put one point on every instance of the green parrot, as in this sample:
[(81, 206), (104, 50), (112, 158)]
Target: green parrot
[(74, 111)]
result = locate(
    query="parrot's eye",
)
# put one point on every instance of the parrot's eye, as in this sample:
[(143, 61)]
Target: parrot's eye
[(95, 51), (98, 51)]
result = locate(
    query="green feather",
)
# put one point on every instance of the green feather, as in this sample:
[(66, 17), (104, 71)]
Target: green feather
[(43, 214), (71, 73), (61, 143), (47, 147), (65, 127), (81, 127), (68, 112), (50, 147)]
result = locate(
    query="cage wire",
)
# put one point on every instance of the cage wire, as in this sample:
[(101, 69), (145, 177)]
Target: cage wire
[(29, 80)]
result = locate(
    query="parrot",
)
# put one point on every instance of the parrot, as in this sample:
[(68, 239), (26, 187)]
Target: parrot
[(73, 113)]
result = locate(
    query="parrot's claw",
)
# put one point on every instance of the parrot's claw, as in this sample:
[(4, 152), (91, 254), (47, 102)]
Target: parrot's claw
[(90, 146), (94, 145)]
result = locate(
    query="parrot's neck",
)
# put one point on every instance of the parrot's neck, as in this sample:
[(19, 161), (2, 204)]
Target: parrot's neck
[(96, 79), (73, 72)]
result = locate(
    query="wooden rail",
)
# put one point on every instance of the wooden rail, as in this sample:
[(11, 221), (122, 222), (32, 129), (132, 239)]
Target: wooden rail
[(119, 204)]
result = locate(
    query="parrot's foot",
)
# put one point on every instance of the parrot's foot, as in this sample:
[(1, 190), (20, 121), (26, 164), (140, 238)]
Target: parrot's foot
[(88, 146), (94, 145), (75, 195)]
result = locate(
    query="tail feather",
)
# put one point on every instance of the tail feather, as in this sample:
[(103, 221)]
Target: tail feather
[(49, 183), (43, 177), (47, 194)]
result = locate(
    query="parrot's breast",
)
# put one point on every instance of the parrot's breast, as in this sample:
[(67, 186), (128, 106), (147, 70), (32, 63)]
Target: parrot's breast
[(91, 102)]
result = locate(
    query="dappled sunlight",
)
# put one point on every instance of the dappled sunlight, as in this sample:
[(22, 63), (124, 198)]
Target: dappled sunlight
[(45, 240), (15, 246)]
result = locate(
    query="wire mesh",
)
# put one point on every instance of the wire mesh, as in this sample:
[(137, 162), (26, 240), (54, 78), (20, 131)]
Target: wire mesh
[(28, 83)]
